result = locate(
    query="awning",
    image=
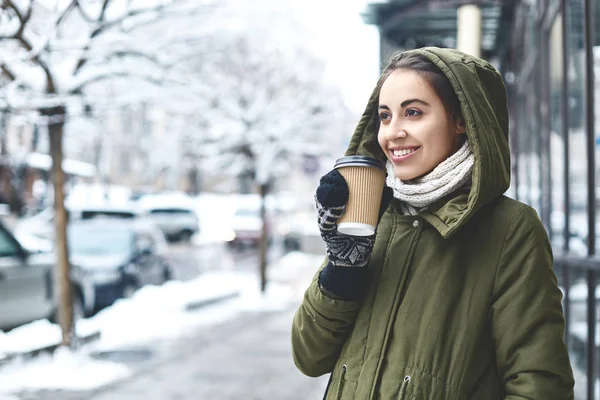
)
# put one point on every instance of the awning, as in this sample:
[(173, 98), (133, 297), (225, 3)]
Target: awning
[(418, 23)]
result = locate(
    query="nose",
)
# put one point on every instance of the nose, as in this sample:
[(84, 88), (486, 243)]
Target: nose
[(396, 132)]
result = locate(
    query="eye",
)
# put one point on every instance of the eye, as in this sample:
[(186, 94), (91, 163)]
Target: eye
[(411, 112), (384, 116)]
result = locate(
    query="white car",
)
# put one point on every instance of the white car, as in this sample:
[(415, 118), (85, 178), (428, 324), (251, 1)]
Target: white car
[(175, 222), (41, 225), (173, 213)]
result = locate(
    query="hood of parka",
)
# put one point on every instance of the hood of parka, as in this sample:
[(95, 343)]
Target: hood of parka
[(482, 94)]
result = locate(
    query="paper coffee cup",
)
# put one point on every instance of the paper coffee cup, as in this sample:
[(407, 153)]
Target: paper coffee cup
[(366, 178)]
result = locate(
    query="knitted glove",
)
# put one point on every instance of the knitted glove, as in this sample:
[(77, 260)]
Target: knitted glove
[(331, 198)]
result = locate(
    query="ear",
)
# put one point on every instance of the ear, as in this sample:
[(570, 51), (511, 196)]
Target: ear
[(459, 128)]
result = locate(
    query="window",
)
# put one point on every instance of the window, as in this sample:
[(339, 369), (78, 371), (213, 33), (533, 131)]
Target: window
[(92, 240), (171, 211), (90, 214)]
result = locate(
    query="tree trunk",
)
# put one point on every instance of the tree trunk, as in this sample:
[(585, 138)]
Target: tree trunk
[(65, 305), (5, 187), (264, 238)]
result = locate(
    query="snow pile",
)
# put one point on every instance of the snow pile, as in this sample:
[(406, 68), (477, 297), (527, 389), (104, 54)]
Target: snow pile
[(159, 312), (33, 336), (62, 370)]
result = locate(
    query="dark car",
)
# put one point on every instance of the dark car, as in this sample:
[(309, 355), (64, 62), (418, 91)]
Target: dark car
[(117, 257)]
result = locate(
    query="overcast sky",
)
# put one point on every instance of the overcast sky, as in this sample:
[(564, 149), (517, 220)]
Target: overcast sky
[(350, 47)]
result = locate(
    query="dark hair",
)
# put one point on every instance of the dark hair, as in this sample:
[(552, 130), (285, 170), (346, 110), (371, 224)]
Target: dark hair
[(434, 77)]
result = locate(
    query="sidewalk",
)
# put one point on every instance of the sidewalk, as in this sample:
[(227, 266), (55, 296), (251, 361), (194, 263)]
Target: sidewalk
[(247, 356)]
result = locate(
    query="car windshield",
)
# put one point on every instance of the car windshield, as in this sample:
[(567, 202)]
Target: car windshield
[(90, 214), (95, 240), (170, 211)]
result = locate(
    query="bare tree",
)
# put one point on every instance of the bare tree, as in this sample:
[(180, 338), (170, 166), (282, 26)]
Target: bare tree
[(49, 55)]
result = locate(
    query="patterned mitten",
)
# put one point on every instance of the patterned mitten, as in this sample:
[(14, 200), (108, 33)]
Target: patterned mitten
[(331, 198)]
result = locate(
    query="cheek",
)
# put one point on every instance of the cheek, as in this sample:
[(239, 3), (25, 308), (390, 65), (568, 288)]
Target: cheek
[(381, 139), (440, 147)]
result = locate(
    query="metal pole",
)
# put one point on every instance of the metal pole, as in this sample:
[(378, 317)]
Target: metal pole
[(589, 124), (539, 129), (564, 105), (468, 38), (545, 124), (591, 193)]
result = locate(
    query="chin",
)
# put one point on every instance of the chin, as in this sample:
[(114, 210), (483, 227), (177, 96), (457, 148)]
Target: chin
[(406, 175)]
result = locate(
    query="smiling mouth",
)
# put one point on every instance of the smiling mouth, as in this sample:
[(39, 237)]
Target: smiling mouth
[(403, 153)]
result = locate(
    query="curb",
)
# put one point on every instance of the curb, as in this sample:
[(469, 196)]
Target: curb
[(81, 340), (195, 305)]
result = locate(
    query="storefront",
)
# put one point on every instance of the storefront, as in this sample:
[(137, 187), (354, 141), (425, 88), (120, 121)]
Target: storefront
[(546, 51)]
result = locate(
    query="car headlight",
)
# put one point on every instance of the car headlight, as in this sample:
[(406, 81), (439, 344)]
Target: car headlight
[(105, 276), (230, 235)]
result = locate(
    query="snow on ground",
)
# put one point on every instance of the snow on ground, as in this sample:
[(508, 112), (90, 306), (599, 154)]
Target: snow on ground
[(152, 314), (62, 370)]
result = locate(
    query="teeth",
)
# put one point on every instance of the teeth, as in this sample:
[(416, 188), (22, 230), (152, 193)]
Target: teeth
[(404, 152)]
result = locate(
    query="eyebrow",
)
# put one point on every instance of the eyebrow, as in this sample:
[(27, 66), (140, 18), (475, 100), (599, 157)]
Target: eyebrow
[(405, 103)]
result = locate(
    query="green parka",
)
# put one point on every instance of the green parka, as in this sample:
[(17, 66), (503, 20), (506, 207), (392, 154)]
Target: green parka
[(462, 302)]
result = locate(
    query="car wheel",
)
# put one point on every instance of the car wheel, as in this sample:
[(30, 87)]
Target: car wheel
[(185, 236), (167, 274)]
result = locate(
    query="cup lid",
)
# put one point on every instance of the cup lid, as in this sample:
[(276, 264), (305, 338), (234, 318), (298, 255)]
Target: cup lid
[(359, 161)]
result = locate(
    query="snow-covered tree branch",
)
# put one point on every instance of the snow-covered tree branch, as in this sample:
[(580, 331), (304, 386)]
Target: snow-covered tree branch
[(268, 108), (52, 51)]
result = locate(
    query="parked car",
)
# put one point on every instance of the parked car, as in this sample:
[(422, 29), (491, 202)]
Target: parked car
[(246, 227), (173, 213), (42, 224), (26, 283), (116, 257)]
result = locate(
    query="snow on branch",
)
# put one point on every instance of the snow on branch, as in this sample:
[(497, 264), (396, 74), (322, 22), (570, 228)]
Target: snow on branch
[(269, 107)]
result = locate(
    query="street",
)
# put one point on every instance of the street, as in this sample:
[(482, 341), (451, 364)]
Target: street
[(248, 357)]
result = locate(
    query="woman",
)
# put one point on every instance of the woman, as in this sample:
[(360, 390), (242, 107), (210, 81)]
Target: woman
[(455, 297)]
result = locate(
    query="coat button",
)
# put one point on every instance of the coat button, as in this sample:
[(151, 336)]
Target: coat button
[(416, 224)]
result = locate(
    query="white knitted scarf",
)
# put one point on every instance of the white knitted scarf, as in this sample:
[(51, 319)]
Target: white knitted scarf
[(418, 194)]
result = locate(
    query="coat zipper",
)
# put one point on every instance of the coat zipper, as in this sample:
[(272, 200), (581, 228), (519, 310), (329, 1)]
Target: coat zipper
[(403, 387), (341, 385)]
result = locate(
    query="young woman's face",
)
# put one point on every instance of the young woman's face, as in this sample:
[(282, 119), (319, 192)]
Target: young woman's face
[(415, 133)]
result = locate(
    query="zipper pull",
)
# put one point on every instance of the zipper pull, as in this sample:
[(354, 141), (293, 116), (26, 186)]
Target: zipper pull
[(403, 387)]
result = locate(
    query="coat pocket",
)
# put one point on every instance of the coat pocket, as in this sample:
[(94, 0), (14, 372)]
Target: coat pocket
[(402, 393)]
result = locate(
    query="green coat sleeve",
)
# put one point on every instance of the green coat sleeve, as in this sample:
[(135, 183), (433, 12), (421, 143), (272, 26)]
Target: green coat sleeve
[(527, 317), (320, 328)]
